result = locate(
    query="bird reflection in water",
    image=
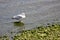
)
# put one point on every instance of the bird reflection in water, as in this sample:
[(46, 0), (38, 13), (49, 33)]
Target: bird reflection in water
[(18, 23)]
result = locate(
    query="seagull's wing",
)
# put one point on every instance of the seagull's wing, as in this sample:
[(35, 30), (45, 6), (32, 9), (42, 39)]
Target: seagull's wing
[(17, 17)]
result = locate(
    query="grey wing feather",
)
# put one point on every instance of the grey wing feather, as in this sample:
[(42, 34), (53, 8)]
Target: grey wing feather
[(17, 18)]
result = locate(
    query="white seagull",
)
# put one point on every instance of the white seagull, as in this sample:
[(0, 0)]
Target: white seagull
[(19, 16)]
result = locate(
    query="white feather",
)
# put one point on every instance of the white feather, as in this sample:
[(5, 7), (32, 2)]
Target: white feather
[(19, 16)]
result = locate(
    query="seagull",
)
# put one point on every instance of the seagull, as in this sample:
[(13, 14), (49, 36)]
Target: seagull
[(19, 16)]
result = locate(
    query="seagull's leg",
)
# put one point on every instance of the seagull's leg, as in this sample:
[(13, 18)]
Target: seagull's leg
[(19, 20), (22, 21)]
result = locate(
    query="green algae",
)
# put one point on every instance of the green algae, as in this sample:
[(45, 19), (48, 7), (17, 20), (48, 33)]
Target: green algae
[(48, 32), (40, 33)]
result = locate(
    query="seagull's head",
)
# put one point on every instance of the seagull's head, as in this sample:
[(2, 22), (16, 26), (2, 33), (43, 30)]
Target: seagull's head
[(23, 15)]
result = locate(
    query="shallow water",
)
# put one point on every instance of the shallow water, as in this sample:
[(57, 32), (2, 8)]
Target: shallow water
[(37, 12)]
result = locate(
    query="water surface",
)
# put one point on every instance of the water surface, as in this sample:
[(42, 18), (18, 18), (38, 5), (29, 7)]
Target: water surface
[(37, 12)]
